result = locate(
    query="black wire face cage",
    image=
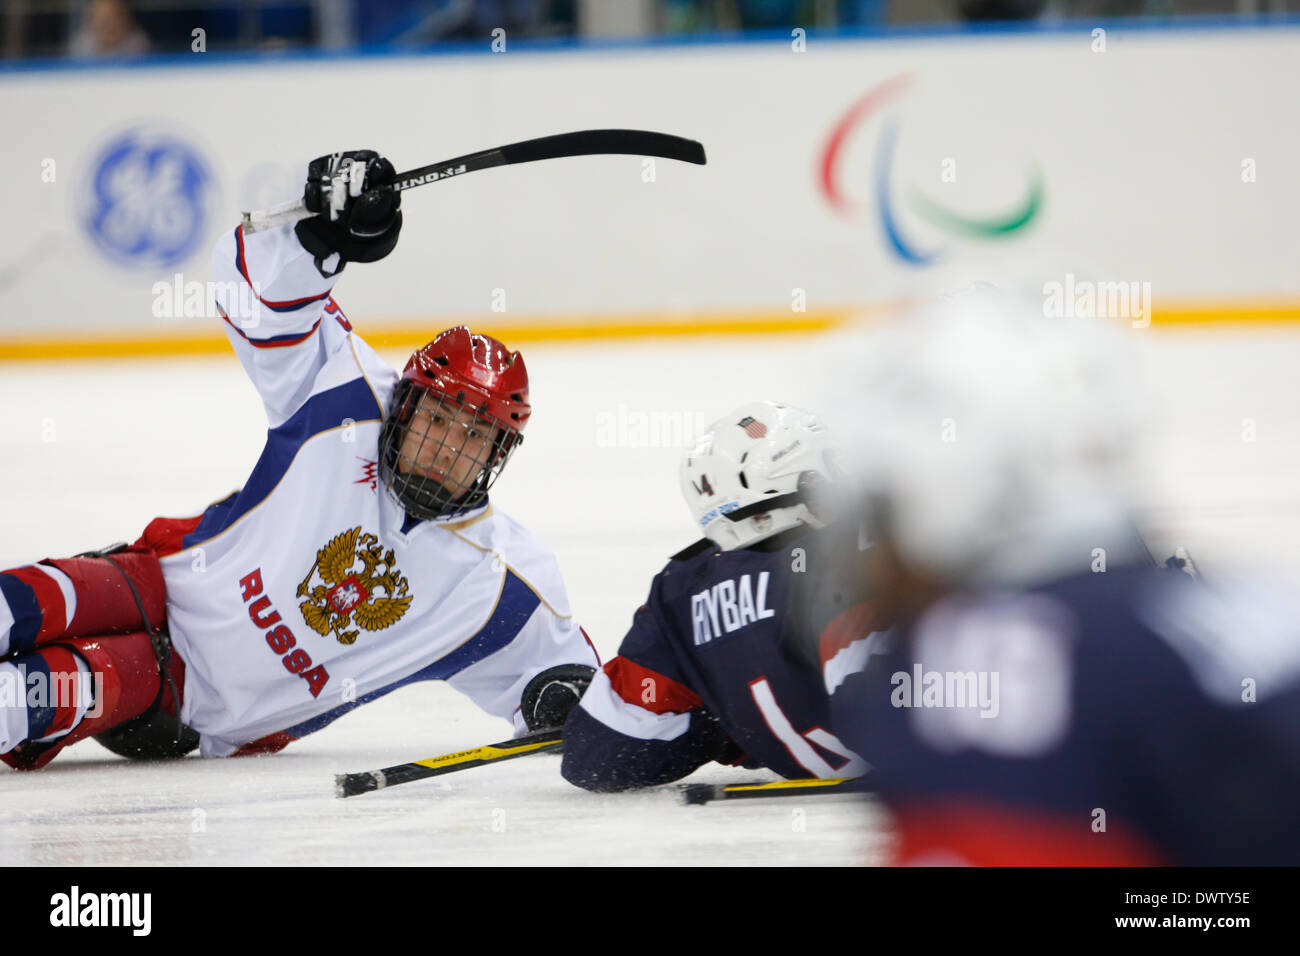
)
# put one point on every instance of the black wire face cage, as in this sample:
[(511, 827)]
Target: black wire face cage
[(450, 462)]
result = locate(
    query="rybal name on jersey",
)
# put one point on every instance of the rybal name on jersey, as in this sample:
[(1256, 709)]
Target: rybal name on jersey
[(728, 606), (278, 636)]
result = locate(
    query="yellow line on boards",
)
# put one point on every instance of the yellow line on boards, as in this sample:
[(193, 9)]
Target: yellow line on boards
[(410, 335), (1227, 313)]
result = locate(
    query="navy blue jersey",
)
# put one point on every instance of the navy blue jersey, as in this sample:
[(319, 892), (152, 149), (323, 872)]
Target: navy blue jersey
[(1128, 717), (716, 666)]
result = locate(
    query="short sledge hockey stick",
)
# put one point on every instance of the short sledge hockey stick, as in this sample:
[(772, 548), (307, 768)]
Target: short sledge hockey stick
[(589, 142), (700, 793), (351, 784)]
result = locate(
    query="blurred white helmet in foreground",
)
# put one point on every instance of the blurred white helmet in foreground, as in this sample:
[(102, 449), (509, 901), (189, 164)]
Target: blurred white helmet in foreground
[(995, 445), (753, 473)]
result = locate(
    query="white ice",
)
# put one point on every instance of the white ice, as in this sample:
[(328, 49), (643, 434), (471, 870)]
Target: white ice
[(90, 452)]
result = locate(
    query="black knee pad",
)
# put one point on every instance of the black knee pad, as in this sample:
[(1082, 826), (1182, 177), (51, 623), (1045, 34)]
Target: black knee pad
[(151, 736)]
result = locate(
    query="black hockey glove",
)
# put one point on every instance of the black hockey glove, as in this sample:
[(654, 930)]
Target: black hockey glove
[(550, 695), (712, 742), (358, 214)]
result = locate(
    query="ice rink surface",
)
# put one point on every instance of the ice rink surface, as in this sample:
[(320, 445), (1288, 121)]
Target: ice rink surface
[(90, 452)]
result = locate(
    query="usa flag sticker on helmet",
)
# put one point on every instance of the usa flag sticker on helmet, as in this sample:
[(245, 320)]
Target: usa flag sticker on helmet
[(753, 427)]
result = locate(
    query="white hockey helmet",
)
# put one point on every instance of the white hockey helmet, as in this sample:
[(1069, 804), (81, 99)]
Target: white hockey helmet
[(754, 473), (996, 445)]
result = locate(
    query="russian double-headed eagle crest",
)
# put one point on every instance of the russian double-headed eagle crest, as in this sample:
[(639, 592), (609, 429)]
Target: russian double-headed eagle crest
[(347, 595)]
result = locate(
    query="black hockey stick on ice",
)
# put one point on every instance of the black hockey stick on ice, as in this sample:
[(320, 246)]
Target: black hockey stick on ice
[(589, 142), (699, 793), (350, 784)]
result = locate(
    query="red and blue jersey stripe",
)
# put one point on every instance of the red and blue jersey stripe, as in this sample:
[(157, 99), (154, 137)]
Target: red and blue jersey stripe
[(36, 606), (288, 305)]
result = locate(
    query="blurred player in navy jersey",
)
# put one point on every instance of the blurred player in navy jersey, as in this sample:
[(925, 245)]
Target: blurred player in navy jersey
[(1048, 697), (714, 666)]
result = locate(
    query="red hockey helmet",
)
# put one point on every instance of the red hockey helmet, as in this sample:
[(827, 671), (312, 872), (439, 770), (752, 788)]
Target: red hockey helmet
[(458, 413)]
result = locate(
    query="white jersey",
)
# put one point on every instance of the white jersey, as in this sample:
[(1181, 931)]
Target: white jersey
[(309, 592)]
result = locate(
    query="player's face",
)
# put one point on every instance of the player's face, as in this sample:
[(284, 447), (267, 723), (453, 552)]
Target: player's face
[(446, 443)]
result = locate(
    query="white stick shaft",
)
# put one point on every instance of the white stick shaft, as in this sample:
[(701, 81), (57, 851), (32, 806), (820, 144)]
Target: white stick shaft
[(281, 215)]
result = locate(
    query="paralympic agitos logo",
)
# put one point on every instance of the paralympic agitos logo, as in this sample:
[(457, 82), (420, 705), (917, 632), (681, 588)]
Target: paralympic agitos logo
[(832, 179)]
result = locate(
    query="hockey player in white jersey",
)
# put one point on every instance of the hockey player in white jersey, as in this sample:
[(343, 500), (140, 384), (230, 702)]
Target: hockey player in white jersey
[(362, 553)]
